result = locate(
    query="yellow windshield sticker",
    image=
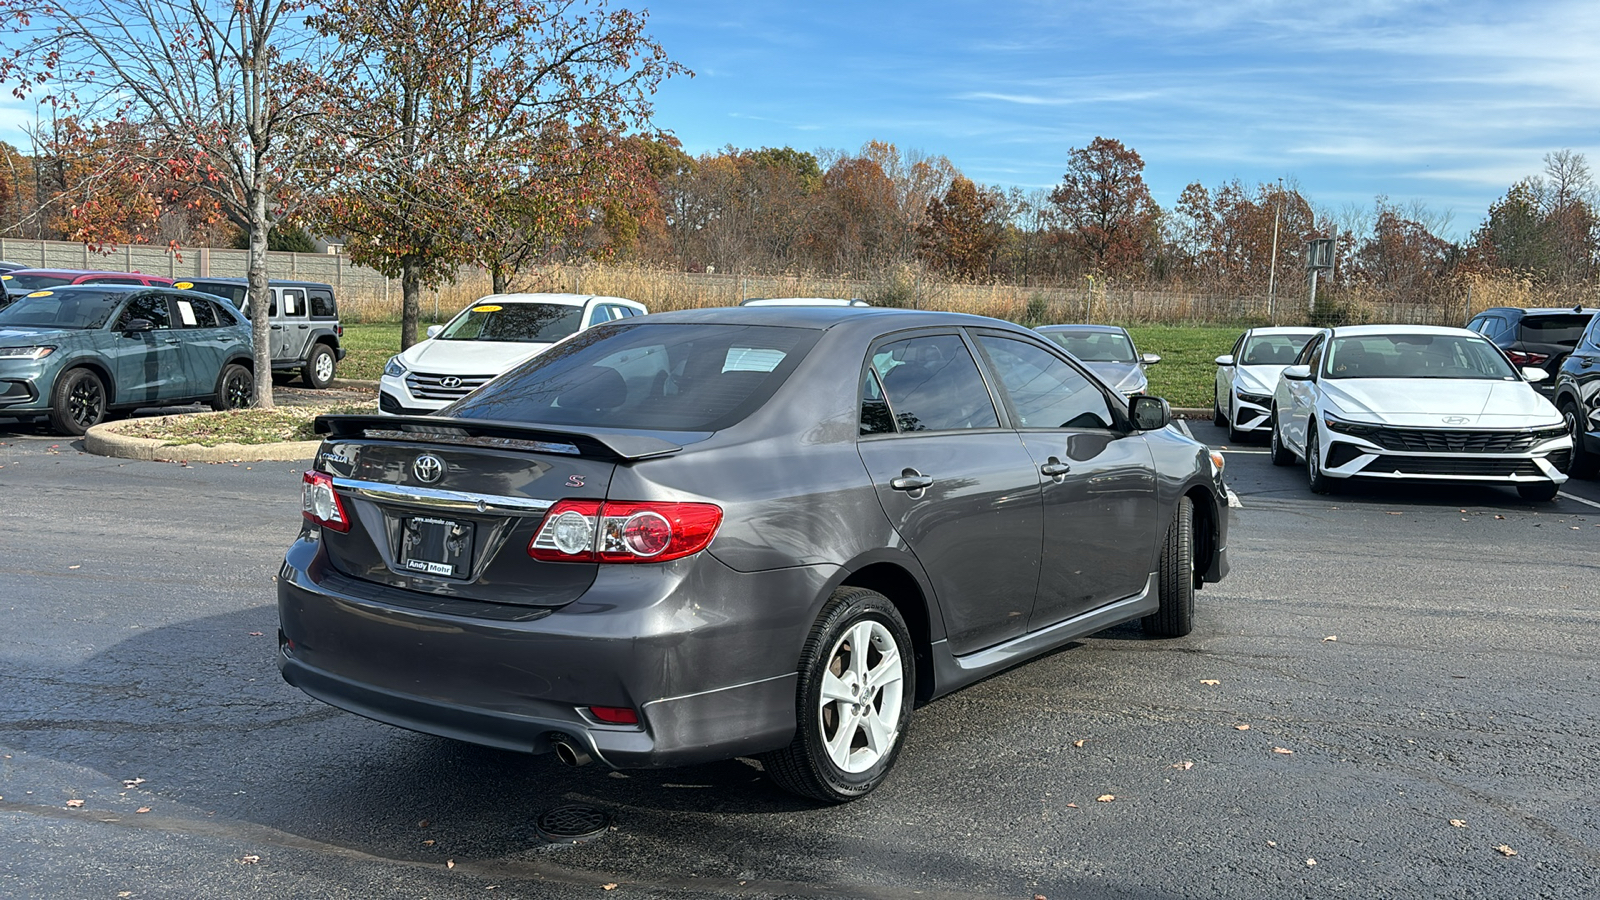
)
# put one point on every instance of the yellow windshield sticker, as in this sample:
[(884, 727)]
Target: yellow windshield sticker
[(5, 277), (41, 293), (184, 285), (486, 308)]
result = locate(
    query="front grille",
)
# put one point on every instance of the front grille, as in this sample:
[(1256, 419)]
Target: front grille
[(1561, 459), (430, 386), (1451, 465), (1442, 440)]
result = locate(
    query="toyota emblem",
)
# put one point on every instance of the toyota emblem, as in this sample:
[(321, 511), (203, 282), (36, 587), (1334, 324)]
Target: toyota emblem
[(428, 468), (450, 381)]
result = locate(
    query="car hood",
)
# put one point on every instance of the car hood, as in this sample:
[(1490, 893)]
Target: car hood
[(1257, 379), (1125, 377), (1426, 403), (468, 357), (20, 336)]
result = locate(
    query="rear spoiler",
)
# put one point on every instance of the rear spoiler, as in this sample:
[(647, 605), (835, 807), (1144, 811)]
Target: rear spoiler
[(491, 433)]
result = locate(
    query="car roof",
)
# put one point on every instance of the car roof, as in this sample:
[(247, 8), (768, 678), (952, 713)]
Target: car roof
[(1368, 330), (869, 319), (856, 302), (76, 273), (245, 281), (98, 288), (1092, 329), (1285, 329), (1543, 310), (560, 299)]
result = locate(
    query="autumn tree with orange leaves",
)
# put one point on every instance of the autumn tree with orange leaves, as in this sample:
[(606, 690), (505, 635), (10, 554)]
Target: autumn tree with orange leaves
[(489, 127), (1112, 224)]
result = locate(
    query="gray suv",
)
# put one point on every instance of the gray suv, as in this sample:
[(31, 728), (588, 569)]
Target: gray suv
[(306, 334)]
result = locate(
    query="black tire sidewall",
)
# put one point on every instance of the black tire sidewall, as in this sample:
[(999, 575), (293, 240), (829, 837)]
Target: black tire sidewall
[(61, 420), (219, 401), (308, 372), (1175, 579)]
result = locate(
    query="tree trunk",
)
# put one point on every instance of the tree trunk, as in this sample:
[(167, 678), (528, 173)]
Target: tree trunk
[(411, 302), (498, 273), (260, 299)]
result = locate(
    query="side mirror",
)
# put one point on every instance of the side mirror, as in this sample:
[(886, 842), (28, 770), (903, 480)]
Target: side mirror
[(1149, 359), (1149, 413), (1225, 360), (1297, 373), (136, 325), (433, 330), (1535, 376)]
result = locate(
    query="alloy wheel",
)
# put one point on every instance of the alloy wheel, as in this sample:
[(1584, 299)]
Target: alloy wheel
[(862, 691)]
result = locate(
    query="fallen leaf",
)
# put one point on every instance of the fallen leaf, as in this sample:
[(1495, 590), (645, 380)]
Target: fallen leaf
[(1506, 851), (423, 824), (1105, 798), (75, 567), (609, 886), (1272, 843), (1499, 517), (1040, 897), (124, 893), (1185, 765), (1284, 750), (449, 864), (429, 842), (1072, 806), (249, 860), (1210, 681), (1331, 637), (142, 809), (1458, 823), (132, 782), (74, 804), (1311, 862), (1241, 728), (1397, 514), (1077, 743), (257, 633)]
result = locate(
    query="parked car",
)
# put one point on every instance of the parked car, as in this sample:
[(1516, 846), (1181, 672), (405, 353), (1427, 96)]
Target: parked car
[(79, 353), (804, 301), (1108, 351), (10, 266), (1577, 396), (1248, 377), (22, 281), (728, 532), (489, 337), (1417, 403), (1533, 337), (306, 335)]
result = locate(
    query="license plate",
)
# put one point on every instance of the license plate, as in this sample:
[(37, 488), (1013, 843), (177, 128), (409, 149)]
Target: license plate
[(431, 546)]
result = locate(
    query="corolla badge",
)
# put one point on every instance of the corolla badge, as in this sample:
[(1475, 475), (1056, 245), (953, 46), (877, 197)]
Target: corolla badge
[(428, 468), (450, 381), (1455, 420)]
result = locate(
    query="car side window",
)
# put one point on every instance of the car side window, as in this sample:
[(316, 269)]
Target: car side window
[(150, 307), (118, 281), (193, 312), (932, 383), (1315, 360), (1045, 390), (1238, 346), (1312, 350), (294, 303), (875, 417), (322, 305)]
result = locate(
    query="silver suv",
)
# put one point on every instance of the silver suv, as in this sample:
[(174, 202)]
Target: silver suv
[(306, 334)]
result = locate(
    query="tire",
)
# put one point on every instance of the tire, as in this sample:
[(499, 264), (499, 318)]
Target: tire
[(1539, 490), (1318, 480), (318, 370), (1584, 464), (824, 761), (1175, 617), (1235, 436), (77, 402), (1281, 455), (1217, 418), (236, 389)]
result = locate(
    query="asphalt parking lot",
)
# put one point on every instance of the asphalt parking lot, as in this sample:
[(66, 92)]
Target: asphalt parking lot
[(1426, 657)]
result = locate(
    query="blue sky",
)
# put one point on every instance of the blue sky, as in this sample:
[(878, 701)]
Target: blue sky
[(1443, 102)]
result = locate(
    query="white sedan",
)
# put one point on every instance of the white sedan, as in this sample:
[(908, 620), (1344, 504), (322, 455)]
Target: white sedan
[(1417, 403), (485, 340), (1248, 377)]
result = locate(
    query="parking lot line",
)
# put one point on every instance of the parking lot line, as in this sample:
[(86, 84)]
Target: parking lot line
[(1568, 496)]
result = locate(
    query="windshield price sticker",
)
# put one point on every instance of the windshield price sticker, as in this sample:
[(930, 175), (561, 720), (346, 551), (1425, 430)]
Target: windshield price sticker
[(489, 308)]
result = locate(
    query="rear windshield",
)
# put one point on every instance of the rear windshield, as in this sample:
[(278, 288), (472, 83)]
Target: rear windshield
[(1095, 346), (20, 283), (653, 376), (1565, 330), (523, 323), (1273, 349), (78, 308)]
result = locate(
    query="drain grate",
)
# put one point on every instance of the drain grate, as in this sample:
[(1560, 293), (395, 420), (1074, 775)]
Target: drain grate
[(572, 824)]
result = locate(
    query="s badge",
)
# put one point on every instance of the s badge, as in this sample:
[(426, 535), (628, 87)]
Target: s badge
[(574, 481)]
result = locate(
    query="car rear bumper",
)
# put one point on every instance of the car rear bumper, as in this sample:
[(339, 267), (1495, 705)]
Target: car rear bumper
[(704, 654)]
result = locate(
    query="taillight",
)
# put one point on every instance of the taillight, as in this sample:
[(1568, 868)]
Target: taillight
[(615, 715), (1523, 358), (320, 503), (615, 532)]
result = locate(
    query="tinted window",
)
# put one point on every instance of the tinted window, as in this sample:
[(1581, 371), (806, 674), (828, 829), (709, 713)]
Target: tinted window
[(195, 312), (932, 384), (1045, 391), (1095, 346), (100, 280), (152, 307), (233, 293), (532, 323), (1565, 330), (21, 281), (875, 417), (76, 309), (668, 377), (322, 305)]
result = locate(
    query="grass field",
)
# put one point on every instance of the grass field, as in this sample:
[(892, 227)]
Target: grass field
[(1184, 375)]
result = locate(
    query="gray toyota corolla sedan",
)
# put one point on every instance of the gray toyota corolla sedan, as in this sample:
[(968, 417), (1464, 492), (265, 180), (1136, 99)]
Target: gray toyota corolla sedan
[(740, 532)]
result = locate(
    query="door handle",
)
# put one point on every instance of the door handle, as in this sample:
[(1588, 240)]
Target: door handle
[(1055, 468), (912, 481), (277, 328), (1586, 361), (304, 327)]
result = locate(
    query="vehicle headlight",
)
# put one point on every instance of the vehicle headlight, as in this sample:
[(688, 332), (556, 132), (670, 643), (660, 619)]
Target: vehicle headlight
[(1345, 426), (1257, 399), (26, 352), (394, 368)]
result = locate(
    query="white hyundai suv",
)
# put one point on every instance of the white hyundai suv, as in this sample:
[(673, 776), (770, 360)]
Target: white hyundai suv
[(485, 340)]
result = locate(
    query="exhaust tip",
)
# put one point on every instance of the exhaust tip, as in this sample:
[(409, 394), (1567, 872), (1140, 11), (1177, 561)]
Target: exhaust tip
[(569, 753)]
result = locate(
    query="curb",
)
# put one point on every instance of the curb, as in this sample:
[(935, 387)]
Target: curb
[(1190, 412), (103, 440), (353, 383)]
